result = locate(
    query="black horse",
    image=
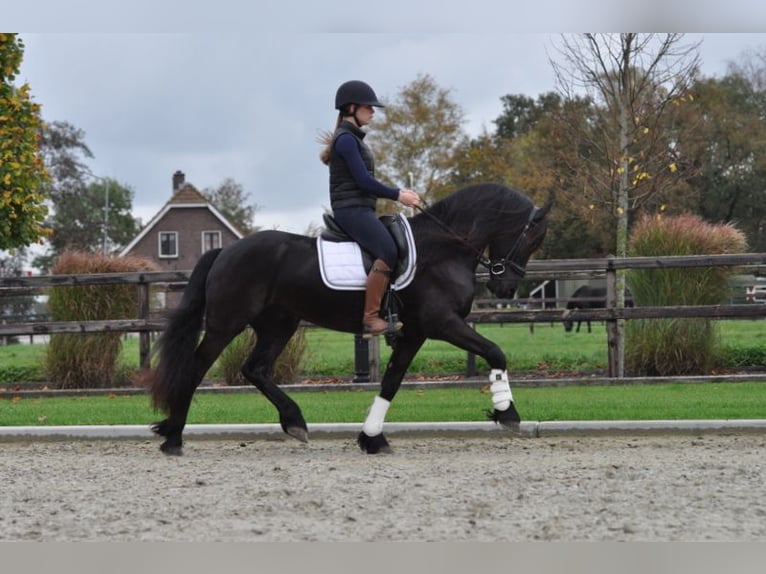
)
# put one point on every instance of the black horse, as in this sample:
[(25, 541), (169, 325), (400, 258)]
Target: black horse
[(587, 297), (270, 280)]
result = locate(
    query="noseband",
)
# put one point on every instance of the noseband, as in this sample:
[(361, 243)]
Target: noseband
[(498, 267)]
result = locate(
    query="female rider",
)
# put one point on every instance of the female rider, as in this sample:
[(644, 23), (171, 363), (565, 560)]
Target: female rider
[(354, 192)]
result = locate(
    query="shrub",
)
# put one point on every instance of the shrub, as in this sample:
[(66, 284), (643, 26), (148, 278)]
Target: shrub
[(90, 360), (677, 346), (20, 373), (733, 356), (286, 369)]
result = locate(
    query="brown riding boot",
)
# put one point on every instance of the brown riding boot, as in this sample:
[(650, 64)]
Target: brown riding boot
[(377, 282)]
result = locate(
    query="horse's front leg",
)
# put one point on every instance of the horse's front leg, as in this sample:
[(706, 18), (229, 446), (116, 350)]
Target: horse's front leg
[(455, 330), (372, 440)]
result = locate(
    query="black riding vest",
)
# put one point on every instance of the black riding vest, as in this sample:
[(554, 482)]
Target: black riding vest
[(344, 191)]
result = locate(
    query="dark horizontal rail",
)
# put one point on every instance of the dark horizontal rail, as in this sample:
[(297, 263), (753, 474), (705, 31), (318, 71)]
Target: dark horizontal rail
[(745, 311), (504, 316), (137, 278), (535, 269), (50, 327)]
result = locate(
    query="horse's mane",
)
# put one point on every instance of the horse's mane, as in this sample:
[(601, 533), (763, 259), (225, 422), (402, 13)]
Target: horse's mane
[(475, 213)]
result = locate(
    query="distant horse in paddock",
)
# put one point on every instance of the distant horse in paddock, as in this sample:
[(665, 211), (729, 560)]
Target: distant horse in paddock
[(587, 297), (271, 280)]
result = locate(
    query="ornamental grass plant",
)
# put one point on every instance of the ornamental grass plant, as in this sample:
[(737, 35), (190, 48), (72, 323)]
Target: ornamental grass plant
[(90, 360), (677, 346)]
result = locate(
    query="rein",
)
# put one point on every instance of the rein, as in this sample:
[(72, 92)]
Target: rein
[(448, 229), (495, 267)]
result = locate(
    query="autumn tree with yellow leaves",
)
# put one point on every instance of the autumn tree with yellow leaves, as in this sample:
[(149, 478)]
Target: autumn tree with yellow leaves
[(640, 85), (22, 173), (416, 139), (634, 153)]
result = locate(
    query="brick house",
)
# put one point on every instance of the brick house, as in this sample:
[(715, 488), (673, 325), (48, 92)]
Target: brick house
[(187, 226)]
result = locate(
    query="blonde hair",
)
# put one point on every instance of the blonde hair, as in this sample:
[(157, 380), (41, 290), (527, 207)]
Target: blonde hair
[(325, 138)]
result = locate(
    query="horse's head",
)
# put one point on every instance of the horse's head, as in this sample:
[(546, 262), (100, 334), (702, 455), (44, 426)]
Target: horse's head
[(568, 324), (509, 253)]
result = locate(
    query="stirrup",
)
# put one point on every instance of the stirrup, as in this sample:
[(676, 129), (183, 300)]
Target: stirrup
[(392, 328)]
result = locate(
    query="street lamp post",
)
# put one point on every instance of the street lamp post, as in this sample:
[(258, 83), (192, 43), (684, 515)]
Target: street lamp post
[(106, 217), (105, 237)]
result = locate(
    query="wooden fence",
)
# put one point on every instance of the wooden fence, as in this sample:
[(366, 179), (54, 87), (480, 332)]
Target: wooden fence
[(144, 323), (540, 270)]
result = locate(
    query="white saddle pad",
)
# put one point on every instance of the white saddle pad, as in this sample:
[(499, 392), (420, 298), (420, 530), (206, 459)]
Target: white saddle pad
[(341, 266)]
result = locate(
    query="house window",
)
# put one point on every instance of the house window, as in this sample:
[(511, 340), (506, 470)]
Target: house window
[(168, 244), (210, 240)]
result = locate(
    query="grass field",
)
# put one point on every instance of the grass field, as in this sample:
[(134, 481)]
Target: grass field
[(547, 348), (332, 354), (696, 401)]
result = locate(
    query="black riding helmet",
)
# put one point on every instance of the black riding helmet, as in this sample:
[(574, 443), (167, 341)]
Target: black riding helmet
[(356, 92)]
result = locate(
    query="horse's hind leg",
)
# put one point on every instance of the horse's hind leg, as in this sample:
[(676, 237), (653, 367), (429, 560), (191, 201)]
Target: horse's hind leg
[(274, 328), (178, 409)]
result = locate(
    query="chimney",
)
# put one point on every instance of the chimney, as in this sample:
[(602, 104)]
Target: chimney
[(178, 180)]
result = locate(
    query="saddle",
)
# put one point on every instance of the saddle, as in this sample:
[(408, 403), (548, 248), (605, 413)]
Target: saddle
[(345, 265)]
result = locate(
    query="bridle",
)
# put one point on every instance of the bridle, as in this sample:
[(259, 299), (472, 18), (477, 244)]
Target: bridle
[(498, 266)]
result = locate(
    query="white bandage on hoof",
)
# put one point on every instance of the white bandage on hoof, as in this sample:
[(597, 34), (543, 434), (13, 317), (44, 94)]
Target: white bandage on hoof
[(501, 389), (373, 424)]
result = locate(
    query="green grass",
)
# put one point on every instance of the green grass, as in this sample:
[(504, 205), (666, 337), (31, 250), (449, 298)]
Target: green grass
[(22, 363), (548, 348), (697, 401), (331, 354)]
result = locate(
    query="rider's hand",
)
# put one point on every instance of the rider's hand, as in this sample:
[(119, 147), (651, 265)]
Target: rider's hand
[(409, 198)]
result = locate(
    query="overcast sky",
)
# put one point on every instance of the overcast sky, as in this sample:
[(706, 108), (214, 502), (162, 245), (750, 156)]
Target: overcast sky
[(249, 105)]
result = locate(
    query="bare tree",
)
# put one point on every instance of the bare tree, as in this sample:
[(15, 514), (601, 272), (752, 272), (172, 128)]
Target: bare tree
[(752, 67), (630, 149), (231, 199)]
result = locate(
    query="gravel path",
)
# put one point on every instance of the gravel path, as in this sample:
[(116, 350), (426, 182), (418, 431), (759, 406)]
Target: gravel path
[(627, 488)]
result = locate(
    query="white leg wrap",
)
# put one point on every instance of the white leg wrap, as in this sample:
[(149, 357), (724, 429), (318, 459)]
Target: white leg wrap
[(373, 424), (501, 389)]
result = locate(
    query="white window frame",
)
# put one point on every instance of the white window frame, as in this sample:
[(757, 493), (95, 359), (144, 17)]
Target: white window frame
[(159, 244), (214, 232)]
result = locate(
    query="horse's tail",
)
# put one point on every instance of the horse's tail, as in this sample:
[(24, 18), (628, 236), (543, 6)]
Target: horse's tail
[(176, 345)]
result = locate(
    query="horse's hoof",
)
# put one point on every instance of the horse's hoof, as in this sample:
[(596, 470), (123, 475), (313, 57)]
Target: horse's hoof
[(373, 444), (171, 450), (298, 433), (509, 418), (160, 428)]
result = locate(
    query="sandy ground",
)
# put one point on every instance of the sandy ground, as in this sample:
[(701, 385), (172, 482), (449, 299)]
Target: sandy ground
[(707, 487)]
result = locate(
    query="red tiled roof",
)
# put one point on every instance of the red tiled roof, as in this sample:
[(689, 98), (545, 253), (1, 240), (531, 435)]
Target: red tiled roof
[(187, 193)]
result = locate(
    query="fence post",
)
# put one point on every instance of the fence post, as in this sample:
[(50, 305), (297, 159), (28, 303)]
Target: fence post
[(361, 360), (612, 332), (375, 359), (144, 345)]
